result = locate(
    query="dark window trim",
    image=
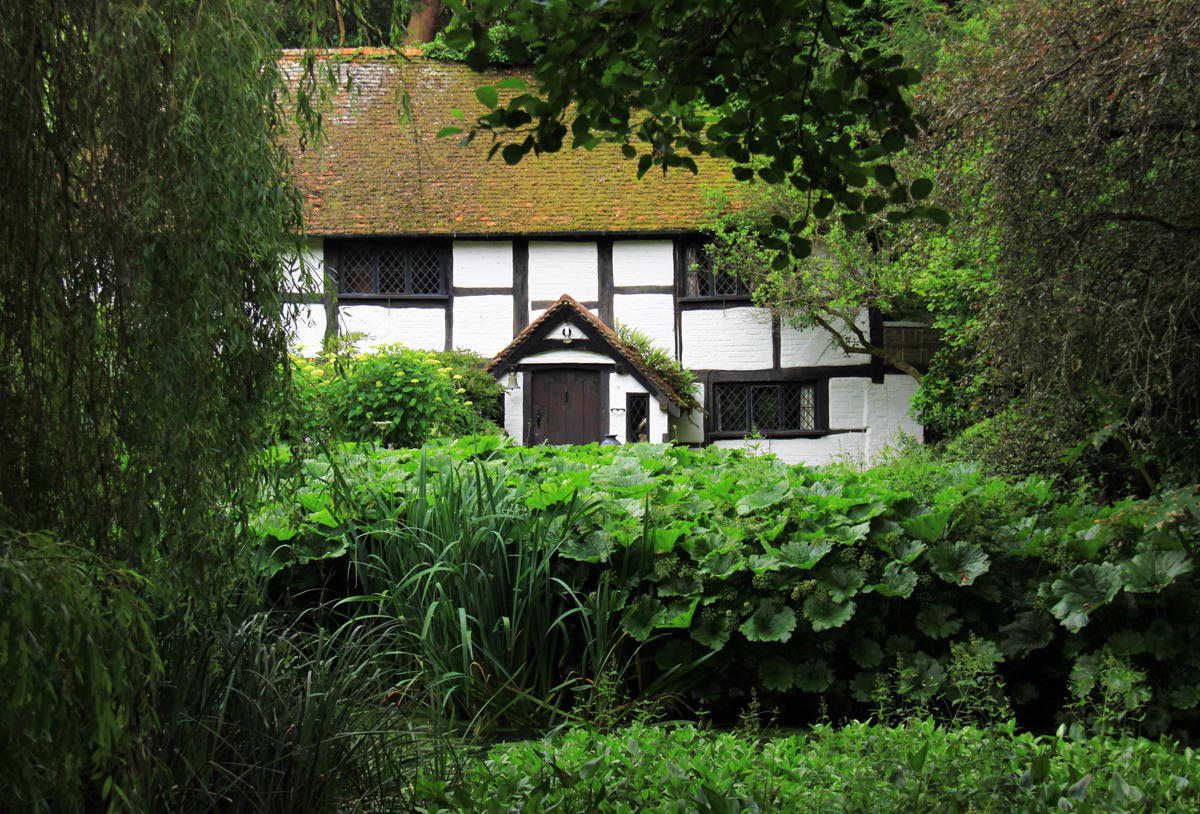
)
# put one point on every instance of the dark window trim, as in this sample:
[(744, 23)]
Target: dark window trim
[(335, 251), (815, 376), (692, 301)]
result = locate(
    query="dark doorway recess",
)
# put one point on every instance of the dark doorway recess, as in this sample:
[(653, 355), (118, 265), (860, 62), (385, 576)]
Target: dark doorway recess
[(565, 407)]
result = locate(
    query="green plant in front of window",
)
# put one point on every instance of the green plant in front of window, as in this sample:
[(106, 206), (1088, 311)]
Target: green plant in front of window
[(393, 396)]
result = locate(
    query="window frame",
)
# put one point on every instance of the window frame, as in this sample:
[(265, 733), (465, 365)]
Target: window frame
[(820, 408), (690, 250), (336, 252)]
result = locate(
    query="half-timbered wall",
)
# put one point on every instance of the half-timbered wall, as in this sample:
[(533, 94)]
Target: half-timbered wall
[(498, 286)]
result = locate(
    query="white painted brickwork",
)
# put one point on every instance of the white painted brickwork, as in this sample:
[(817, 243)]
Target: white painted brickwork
[(730, 339), (689, 427), (888, 413), (814, 346), (652, 314), (306, 328), (567, 356), (848, 403), (482, 323), (619, 386), (514, 408), (643, 262), (811, 451), (422, 328), (563, 268), (483, 264)]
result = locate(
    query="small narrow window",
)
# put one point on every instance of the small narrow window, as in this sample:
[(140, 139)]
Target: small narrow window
[(637, 417)]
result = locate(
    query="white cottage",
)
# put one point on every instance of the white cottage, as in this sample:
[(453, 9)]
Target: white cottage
[(423, 241)]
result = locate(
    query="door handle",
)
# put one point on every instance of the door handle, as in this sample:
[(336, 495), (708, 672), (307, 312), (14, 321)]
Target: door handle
[(537, 417)]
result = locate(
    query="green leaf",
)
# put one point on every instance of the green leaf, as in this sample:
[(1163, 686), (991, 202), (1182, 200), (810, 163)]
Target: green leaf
[(958, 563), (841, 582), (763, 497), (512, 154), (866, 652), (645, 615), (777, 674), (824, 613), (885, 175), (596, 546), (770, 622), (814, 676), (938, 621), (897, 581), (1087, 587), (803, 554), (906, 551), (928, 527), (448, 131), (1151, 571), (920, 188), (712, 631), (487, 96), (723, 563)]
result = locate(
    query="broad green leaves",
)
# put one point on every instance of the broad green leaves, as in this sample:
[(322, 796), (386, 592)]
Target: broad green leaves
[(1086, 588)]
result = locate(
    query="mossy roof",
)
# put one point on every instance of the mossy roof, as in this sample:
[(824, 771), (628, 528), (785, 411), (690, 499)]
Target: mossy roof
[(380, 174)]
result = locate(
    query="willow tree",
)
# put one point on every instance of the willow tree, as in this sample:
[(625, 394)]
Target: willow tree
[(144, 214)]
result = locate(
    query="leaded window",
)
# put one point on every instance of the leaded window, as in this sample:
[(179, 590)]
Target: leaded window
[(768, 407), (701, 282), (396, 268)]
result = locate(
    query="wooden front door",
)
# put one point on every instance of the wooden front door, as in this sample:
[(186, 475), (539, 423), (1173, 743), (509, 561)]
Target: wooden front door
[(565, 407)]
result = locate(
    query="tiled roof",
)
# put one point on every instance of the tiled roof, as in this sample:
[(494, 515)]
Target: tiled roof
[(568, 305), (380, 174)]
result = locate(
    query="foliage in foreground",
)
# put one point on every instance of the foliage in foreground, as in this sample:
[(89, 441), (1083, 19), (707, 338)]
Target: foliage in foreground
[(917, 766), (393, 395), (832, 584)]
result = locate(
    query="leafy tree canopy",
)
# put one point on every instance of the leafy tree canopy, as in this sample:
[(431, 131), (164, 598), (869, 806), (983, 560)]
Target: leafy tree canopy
[(778, 87)]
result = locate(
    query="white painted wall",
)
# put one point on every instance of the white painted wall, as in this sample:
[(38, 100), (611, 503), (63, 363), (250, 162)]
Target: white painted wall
[(483, 323), (557, 268), (653, 315), (422, 328), (567, 356), (514, 408), (483, 264), (643, 262), (306, 328), (814, 346), (887, 409), (621, 385), (848, 403), (688, 428), (730, 339), (810, 451)]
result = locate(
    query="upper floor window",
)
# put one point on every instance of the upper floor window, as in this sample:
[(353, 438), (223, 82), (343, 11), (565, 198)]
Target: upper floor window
[(395, 268), (701, 282), (765, 407)]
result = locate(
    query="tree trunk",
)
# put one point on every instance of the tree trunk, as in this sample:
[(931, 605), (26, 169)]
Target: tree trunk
[(423, 21)]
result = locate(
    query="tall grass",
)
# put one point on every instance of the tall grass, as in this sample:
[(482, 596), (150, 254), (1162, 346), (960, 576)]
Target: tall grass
[(266, 713), (489, 616)]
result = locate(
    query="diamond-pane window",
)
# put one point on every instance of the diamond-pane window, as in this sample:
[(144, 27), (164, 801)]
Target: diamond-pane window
[(403, 268), (774, 407), (637, 417), (799, 405), (701, 282)]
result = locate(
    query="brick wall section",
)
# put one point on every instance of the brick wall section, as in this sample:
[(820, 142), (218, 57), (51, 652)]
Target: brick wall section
[(479, 323), (483, 264), (643, 262), (422, 328), (563, 268), (652, 314)]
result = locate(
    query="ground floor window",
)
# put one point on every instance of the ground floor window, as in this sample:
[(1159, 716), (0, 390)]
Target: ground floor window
[(764, 407)]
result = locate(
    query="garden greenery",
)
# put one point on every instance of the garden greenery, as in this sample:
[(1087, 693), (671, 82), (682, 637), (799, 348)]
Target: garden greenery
[(833, 585)]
